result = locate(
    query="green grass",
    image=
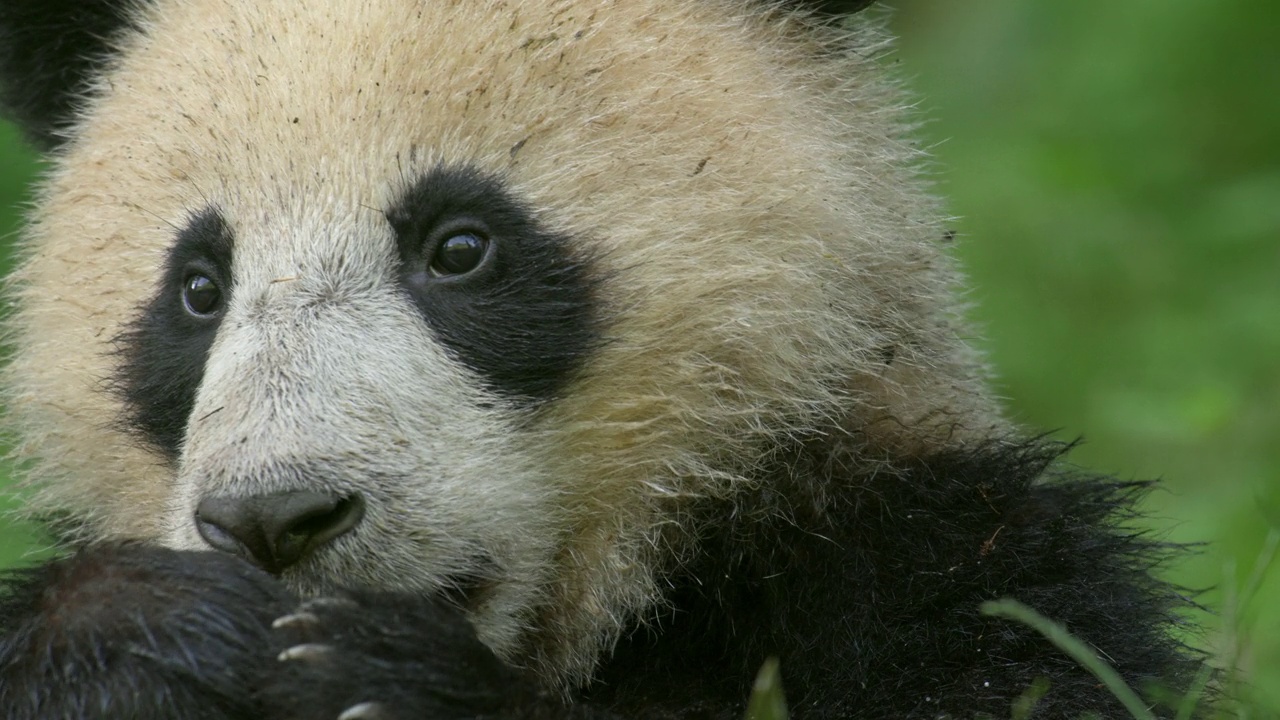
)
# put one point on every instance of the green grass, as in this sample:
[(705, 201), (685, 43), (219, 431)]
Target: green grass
[(1077, 649), (1115, 170), (768, 701)]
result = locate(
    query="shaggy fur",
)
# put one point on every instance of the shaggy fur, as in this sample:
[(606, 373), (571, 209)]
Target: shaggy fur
[(136, 633), (711, 312), (862, 628)]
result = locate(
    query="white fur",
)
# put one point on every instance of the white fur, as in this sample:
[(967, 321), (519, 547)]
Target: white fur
[(769, 263)]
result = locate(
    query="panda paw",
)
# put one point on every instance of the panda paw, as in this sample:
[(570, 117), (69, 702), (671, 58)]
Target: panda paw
[(305, 623), (383, 656)]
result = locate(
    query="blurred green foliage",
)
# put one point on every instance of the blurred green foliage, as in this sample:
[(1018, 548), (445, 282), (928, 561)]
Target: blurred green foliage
[(1115, 172), (17, 171)]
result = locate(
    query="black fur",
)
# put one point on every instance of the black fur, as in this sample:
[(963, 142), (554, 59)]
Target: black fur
[(833, 7), (136, 632), (418, 657), (163, 351), (49, 50), (865, 584), (525, 319), (867, 588), (145, 633)]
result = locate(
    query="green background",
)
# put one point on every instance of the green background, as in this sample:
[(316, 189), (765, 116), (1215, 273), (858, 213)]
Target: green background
[(1115, 172)]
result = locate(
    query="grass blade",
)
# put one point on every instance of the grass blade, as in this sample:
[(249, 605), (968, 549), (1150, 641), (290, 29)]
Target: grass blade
[(1069, 644)]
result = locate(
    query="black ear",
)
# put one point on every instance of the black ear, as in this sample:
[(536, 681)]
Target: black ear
[(49, 49), (833, 7)]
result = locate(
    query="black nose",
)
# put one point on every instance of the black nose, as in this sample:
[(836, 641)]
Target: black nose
[(276, 531)]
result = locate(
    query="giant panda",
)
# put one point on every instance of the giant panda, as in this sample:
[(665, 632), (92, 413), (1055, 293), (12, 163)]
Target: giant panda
[(520, 359)]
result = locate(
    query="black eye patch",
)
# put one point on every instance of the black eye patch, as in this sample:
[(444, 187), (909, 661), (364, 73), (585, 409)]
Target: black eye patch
[(162, 352), (510, 299)]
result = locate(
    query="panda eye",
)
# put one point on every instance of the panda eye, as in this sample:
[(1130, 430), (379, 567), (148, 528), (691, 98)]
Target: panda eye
[(201, 295), (459, 253)]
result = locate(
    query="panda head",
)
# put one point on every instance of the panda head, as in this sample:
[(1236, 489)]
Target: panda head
[(479, 298)]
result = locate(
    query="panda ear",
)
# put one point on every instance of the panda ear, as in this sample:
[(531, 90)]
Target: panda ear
[(832, 7), (49, 50)]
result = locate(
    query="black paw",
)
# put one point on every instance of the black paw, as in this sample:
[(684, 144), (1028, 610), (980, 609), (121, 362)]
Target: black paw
[(132, 631), (383, 656)]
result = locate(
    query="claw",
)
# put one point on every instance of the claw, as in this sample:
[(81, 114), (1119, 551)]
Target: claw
[(306, 651), (327, 603), (363, 711), (301, 617)]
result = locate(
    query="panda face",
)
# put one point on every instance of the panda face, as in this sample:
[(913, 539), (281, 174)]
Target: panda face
[(514, 284), (393, 371)]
